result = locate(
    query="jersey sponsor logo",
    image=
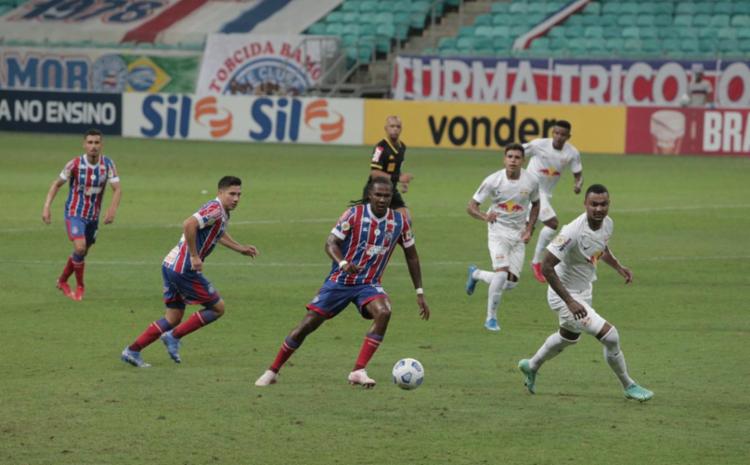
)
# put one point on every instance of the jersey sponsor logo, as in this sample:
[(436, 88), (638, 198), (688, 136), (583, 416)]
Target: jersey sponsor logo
[(561, 242), (549, 172), (376, 154), (510, 206)]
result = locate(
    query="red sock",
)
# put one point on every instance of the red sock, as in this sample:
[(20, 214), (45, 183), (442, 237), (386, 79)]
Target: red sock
[(286, 351), (369, 346), (196, 321), (152, 333), (67, 271), (78, 268)]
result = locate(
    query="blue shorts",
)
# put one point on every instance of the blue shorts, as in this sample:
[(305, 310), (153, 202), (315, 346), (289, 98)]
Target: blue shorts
[(187, 288), (333, 297), (78, 228)]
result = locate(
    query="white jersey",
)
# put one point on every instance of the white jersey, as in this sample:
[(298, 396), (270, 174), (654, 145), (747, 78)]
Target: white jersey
[(578, 248), (547, 163), (511, 199)]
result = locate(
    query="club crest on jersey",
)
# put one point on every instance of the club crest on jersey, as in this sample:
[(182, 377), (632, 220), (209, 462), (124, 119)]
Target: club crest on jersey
[(561, 242), (345, 226)]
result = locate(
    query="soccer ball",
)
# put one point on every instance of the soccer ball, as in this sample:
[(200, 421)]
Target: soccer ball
[(408, 373)]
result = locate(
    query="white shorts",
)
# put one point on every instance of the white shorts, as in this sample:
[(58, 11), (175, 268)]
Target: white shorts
[(591, 324), (506, 252), (546, 212)]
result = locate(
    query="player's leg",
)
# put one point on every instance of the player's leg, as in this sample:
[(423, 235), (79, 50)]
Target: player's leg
[(552, 346), (378, 307), (548, 218), (310, 322), (76, 230), (331, 299), (501, 250), (195, 288), (172, 316), (610, 339), (81, 249)]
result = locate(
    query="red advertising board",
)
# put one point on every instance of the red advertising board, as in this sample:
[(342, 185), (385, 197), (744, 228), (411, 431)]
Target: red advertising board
[(693, 131)]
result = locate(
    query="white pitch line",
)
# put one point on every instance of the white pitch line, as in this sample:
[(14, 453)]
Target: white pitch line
[(332, 220), (324, 264)]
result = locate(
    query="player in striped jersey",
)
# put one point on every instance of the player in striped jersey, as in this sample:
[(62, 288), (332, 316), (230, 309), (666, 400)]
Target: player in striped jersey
[(360, 246), (184, 282), (87, 176)]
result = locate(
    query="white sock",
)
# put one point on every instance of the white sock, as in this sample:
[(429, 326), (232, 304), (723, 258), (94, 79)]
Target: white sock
[(550, 349), (482, 275), (545, 237), (615, 358), (495, 293)]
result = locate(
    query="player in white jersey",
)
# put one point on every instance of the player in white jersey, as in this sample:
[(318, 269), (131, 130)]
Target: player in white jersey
[(570, 269), (548, 158), (514, 194)]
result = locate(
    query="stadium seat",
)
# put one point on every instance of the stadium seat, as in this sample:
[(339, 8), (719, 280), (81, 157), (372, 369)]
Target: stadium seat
[(501, 31), (483, 31), (483, 20), (498, 7), (368, 6), (502, 44), (683, 20), (724, 8), (664, 8), (335, 17), (719, 21), (593, 8), (446, 42), (518, 8), (646, 21), (317, 29), (647, 33), (594, 32), (742, 8), (350, 6), (740, 21), (630, 33), (502, 20), (662, 20)]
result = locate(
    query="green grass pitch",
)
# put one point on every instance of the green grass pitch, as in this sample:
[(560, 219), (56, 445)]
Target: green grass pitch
[(681, 224)]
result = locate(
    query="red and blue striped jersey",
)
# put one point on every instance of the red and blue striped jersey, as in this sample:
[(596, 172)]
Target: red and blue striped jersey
[(368, 243), (87, 183), (212, 222)]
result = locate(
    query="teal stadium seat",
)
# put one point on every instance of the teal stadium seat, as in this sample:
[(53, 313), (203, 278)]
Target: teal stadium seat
[(740, 21), (335, 17), (719, 20), (502, 19), (723, 8), (501, 31), (662, 20), (593, 8), (631, 33), (499, 8), (369, 6), (741, 8), (317, 29), (595, 32), (502, 43), (350, 5), (518, 8), (683, 20), (483, 31), (483, 20)]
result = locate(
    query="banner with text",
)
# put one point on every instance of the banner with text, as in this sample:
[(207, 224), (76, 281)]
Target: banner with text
[(492, 126), (59, 112), (675, 131), (92, 70), (258, 64), (598, 82), (239, 118)]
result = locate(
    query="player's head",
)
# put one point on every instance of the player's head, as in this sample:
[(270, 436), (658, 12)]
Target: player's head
[(560, 133), (513, 160), (379, 193), (393, 127), (596, 201), (92, 142), (230, 190)]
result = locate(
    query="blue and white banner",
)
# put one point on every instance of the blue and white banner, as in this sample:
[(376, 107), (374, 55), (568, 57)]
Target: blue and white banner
[(60, 112), (250, 64)]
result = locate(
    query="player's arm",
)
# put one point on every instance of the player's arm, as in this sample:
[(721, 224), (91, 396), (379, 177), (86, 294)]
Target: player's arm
[(548, 270), (333, 249), (190, 230), (228, 241), (577, 182), (51, 193), (609, 258), (473, 210), (533, 215), (415, 271), (116, 196)]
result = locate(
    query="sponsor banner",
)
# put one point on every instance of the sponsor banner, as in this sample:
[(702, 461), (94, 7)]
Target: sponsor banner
[(59, 112), (249, 64), (240, 118), (598, 82), (596, 129), (692, 131), (92, 70)]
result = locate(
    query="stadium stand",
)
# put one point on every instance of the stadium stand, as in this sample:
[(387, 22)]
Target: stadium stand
[(606, 28)]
